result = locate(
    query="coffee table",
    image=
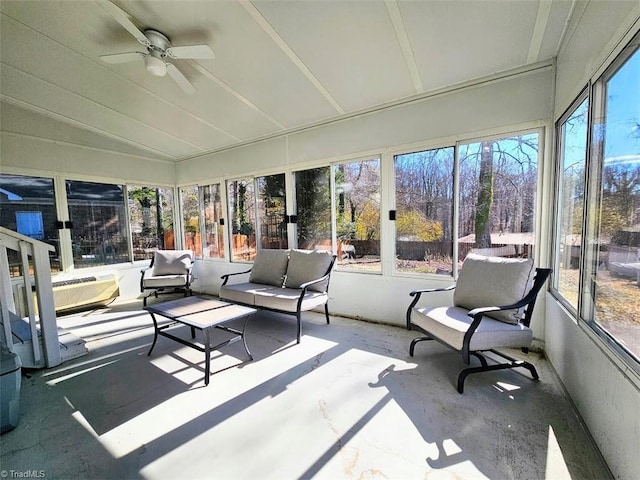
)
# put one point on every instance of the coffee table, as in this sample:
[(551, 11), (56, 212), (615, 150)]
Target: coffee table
[(200, 313)]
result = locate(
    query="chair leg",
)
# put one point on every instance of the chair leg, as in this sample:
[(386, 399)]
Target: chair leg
[(326, 313), (299, 332), (416, 340), (479, 356), (512, 363)]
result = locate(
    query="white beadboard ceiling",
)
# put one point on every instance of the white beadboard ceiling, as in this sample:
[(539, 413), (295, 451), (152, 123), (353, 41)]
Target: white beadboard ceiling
[(279, 65)]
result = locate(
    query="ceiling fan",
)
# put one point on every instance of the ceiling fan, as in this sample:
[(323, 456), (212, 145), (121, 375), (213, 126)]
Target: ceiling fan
[(158, 50)]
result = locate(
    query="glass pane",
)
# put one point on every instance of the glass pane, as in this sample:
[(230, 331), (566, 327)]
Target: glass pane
[(151, 219), (617, 146), (272, 208), (27, 206), (313, 207), (99, 233), (424, 211), (357, 204), (214, 231), (191, 219), (573, 138), (242, 211), (498, 181)]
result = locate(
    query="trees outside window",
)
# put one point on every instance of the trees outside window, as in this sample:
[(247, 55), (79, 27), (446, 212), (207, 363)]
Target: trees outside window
[(313, 208), (242, 212), (424, 211), (213, 214), (190, 206), (100, 229), (498, 183), (357, 214), (571, 181), (272, 208), (611, 283), (151, 219)]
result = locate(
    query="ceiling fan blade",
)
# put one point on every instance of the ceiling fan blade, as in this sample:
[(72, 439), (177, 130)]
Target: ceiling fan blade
[(180, 79), (123, 19), (191, 51), (122, 57)]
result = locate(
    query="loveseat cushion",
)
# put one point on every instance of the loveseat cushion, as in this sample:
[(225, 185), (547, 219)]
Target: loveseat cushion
[(172, 262), (307, 265), (449, 324), (286, 299), (269, 267), (493, 281), (243, 292)]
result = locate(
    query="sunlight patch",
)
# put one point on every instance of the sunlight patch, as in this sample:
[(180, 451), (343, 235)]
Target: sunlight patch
[(556, 466)]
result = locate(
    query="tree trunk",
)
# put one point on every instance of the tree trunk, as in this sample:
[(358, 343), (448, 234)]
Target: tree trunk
[(485, 197)]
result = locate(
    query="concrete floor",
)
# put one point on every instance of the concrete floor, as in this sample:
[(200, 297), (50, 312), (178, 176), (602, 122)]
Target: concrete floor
[(348, 402)]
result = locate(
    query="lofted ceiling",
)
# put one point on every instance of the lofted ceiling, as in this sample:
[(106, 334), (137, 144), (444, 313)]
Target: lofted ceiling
[(279, 65)]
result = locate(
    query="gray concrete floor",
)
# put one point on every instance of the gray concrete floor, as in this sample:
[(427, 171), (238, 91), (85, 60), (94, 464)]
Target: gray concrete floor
[(348, 402)]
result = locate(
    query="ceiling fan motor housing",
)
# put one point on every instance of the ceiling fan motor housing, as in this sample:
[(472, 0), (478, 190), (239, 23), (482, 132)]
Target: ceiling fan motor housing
[(154, 61)]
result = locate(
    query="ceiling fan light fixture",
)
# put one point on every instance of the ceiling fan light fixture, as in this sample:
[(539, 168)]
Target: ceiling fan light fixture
[(155, 66)]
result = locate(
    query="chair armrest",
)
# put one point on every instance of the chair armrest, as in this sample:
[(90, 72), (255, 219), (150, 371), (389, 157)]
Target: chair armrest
[(142, 277), (225, 277), (305, 285), (416, 297), (430, 290)]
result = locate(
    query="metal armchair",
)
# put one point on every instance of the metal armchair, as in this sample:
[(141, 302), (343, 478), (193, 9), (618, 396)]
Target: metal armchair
[(169, 271), (492, 307)]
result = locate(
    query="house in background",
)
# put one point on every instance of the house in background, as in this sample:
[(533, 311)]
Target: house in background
[(368, 124)]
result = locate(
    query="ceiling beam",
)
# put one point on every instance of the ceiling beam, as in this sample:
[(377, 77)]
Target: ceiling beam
[(544, 9), (405, 44), (279, 41)]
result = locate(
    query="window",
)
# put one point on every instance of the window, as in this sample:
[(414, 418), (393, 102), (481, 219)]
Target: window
[(191, 219), (611, 292), (272, 207), (498, 182), (570, 177), (242, 212), (151, 219), (313, 208), (213, 228), (99, 232), (27, 206), (424, 211), (357, 214)]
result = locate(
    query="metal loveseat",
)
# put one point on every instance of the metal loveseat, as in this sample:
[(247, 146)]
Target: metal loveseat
[(284, 281)]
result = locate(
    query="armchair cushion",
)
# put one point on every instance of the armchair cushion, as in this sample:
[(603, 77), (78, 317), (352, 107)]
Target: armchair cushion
[(493, 281), (449, 325), (162, 281), (172, 262), (307, 265), (269, 267)]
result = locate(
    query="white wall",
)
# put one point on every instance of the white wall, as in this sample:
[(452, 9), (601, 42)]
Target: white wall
[(24, 153), (465, 111), (604, 390)]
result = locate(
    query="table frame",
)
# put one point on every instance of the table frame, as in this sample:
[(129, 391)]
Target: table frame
[(196, 307)]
